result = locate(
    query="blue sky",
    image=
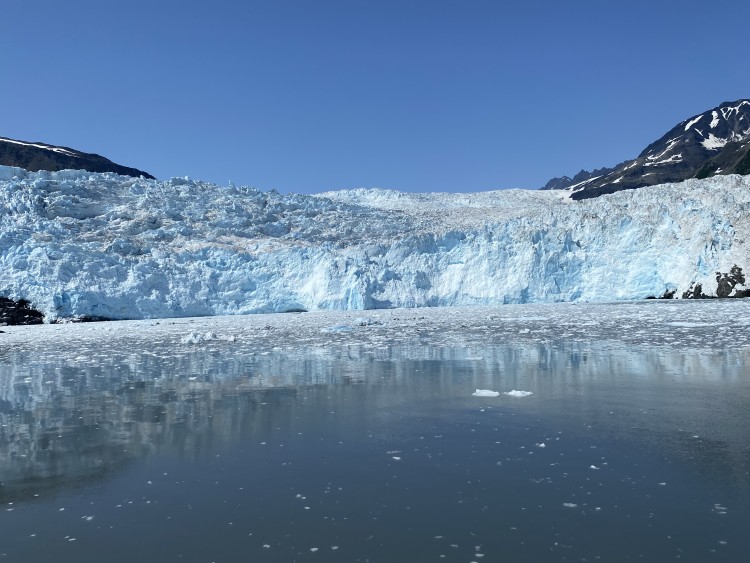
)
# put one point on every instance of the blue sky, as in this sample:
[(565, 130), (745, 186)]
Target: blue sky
[(308, 96)]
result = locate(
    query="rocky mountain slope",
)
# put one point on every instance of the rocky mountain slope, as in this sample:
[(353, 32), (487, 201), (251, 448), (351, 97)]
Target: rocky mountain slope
[(716, 142), (41, 156)]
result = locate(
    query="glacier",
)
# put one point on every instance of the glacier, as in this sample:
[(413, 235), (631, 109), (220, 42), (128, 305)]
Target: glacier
[(80, 244)]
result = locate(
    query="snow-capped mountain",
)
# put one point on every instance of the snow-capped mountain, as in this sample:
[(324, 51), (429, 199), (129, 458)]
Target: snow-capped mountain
[(712, 143), (41, 156), (101, 245)]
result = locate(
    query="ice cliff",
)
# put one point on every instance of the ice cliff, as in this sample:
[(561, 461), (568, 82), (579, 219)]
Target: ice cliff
[(74, 244)]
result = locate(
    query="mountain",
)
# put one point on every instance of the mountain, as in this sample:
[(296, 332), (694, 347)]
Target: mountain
[(716, 142), (75, 244), (565, 182), (41, 156)]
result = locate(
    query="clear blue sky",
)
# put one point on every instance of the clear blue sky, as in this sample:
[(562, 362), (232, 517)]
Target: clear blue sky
[(309, 95)]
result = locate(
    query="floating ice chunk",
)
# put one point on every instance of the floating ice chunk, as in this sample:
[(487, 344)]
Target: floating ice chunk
[(541, 445), (515, 393), (593, 467), (366, 321), (197, 338), (485, 393), (570, 505)]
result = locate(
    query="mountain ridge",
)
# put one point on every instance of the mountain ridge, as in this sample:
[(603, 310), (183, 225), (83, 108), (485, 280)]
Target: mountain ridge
[(715, 142), (37, 156)]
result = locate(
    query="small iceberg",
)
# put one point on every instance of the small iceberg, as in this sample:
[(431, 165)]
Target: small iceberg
[(485, 393), (198, 338), (366, 321), (515, 393)]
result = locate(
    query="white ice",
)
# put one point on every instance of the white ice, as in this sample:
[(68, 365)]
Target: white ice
[(75, 243), (516, 393), (485, 393)]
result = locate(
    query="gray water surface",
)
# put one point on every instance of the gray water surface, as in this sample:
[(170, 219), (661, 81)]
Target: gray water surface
[(361, 440)]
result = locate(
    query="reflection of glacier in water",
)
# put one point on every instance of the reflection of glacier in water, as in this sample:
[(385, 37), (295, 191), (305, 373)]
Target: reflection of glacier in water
[(69, 416), (88, 403)]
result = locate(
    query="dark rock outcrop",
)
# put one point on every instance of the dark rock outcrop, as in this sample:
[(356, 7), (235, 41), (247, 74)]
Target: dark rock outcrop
[(695, 291), (726, 286), (727, 283), (18, 313), (41, 156)]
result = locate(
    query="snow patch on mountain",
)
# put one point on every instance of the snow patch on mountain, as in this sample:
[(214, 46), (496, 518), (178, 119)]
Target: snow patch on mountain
[(714, 143), (60, 150), (692, 122), (75, 243)]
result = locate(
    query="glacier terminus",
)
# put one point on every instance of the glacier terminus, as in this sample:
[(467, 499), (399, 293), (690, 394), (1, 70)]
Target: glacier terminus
[(79, 244)]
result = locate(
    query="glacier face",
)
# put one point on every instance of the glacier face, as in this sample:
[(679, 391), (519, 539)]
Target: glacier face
[(75, 243)]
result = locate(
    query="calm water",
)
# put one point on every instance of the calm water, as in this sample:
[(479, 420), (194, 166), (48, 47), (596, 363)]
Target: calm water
[(145, 450)]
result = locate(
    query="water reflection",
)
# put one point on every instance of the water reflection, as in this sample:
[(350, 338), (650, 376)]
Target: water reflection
[(69, 420)]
